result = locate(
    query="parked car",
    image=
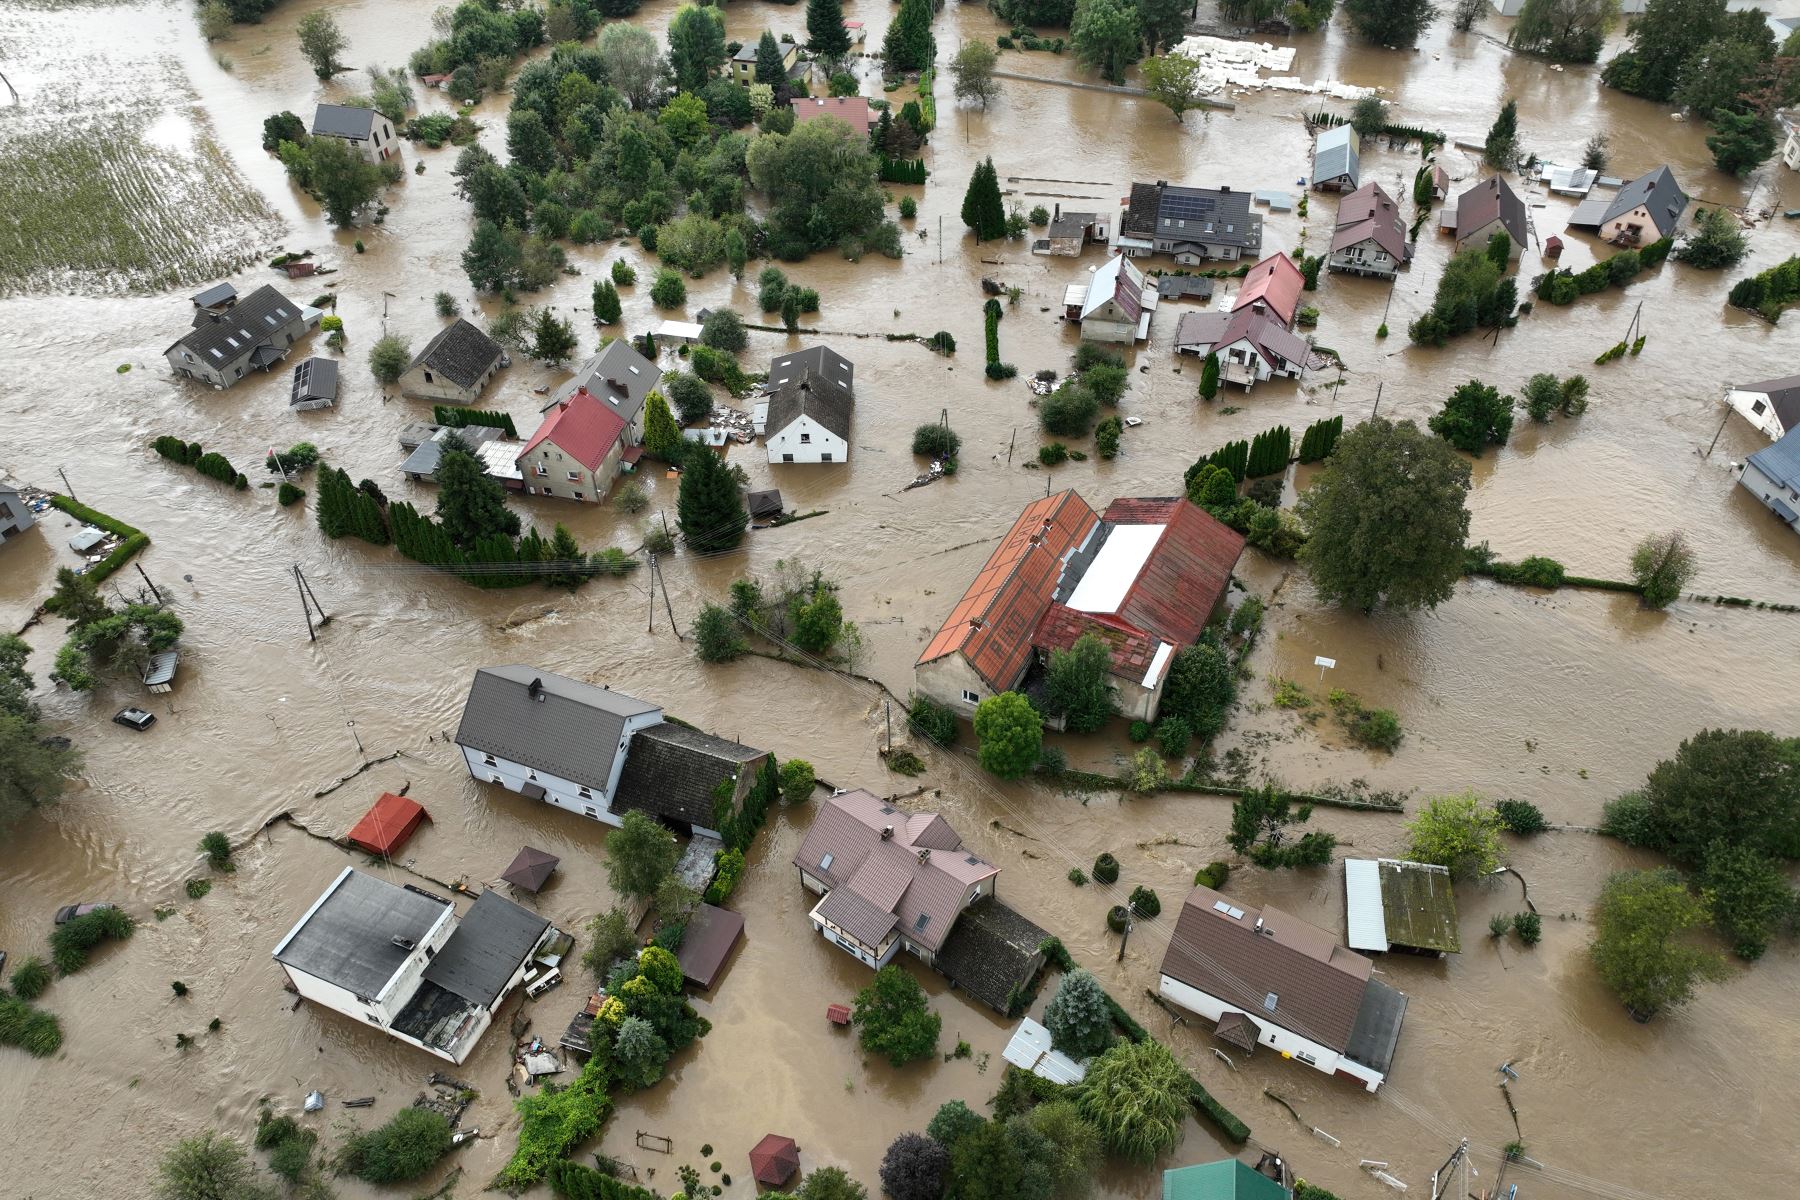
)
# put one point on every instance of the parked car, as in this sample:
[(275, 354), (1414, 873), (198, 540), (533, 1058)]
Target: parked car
[(134, 718), (69, 912)]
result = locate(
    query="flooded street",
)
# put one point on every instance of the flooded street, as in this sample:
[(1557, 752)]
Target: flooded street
[(1564, 699)]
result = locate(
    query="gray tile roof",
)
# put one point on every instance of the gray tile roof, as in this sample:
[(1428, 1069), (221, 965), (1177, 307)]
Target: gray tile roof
[(1781, 461), (347, 939), (222, 339), (217, 294), (427, 454), (461, 353), (618, 375), (1784, 398), (992, 952), (1214, 216), (572, 732), (340, 120), (494, 939), (1660, 195), (1481, 204), (1334, 155), (1182, 287), (672, 770), (817, 396), (814, 360)]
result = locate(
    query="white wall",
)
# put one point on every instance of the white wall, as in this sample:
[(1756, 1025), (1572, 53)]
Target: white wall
[(821, 445), (1762, 487), (1766, 420), (1320, 1058), (564, 793)]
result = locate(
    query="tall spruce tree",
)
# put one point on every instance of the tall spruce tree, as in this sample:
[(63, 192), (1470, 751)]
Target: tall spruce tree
[(710, 508), (982, 209), (471, 503), (606, 303), (662, 437), (909, 45), (825, 32), (768, 61)]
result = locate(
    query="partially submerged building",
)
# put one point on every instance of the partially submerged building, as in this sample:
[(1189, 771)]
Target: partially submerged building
[(1370, 238), (1252, 345), (577, 449), (1144, 577), (1335, 165), (363, 129), (807, 420), (1267, 978), (1393, 904), (620, 378), (1489, 207), (454, 367), (1069, 233), (1114, 305), (399, 958), (1772, 475), (15, 515), (1227, 1179), (1644, 210), (1191, 224), (1772, 405), (315, 384), (253, 334)]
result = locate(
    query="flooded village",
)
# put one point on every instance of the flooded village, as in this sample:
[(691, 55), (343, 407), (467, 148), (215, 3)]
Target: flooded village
[(1204, 686)]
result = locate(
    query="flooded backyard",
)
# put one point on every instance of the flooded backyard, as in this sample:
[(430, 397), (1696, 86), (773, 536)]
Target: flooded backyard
[(1564, 699)]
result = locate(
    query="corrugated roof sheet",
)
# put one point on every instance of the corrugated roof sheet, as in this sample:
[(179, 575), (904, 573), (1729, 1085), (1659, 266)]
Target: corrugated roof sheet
[(1030, 1049), (1334, 155), (573, 732), (1781, 461), (1367, 925), (493, 941), (1186, 576), (1418, 905), (387, 824), (1132, 650), (1227, 1179)]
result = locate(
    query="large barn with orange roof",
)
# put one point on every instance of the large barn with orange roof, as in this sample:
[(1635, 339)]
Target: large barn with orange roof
[(1145, 576)]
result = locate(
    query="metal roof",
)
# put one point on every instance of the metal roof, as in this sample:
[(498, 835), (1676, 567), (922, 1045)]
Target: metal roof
[(568, 728), (583, 426), (217, 294), (1363, 913), (1418, 905), (1377, 1029), (1228, 1179), (1781, 461), (1334, 155), (348, 936), (1029, 1049), (493, 941), (314, 379), (341, 120), (711, 935)]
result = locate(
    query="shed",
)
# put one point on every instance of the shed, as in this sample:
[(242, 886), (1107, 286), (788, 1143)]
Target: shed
[(1227, 1179), (530, 868), (159, 672), (774, 1160), (678, 331), (764, 504), (86, 539), (1553, 247), (711, 935), (387, 824), (1392, 904), (218, 296), (315, 384), (1030, 1050)]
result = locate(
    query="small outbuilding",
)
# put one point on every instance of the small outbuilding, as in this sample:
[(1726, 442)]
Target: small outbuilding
[(159, 672), (315, 385), (86, 538), (530, 868), (1335, 166), (388, 823), (1030, 1049), (712, 934), (774, 1160), (1392, 904), (454, 366), (764, 505), (1227, 1179)]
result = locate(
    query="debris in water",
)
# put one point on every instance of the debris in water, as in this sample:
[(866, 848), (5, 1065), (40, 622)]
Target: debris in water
[(315, 1100)]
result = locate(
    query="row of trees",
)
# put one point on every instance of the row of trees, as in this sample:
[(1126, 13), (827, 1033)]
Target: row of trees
[(34, 767)]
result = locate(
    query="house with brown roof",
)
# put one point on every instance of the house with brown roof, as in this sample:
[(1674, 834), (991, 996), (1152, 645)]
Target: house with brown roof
[(1370, 238), (1489, 207), (1252, 345), (1113, 305), (1266, 978), (853, 111), (887, 880), (575, 452), (1144, 576)]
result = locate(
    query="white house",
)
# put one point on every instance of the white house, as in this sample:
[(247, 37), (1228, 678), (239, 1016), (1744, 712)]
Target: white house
[(1252, 346), (399, 958), (1645, 209), (1790, 149), (596, 751), (1266, 978), (368, 132), (1114, 305), (808, 421), (1773, 405), (15, 514)]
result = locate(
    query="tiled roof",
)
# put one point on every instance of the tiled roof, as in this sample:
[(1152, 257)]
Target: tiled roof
[(992, 952), (823, 399), (1370, 213), (917, 876), (223, 338), (1660, 195), (573, 732), (854, 111), (814, 360), (1276, 283), (1317, 985), (1133, 651), (461, 353), (1491, 198), (671, 771), (1186, 575), (341, 120), (993, 622), (619, 375), (583, 427), (1272, 339)]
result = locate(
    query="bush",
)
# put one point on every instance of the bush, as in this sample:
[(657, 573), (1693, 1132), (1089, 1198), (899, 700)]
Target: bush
[(1529, 926), (1630, 819), (933, 721), (717, 638), (1376, 728), (289, 494), (623, 274), (1139, 732), (936, 440), (893, 1018), (30, 978), (1053, 455), (403, 1149), (909, 208), (71, 944), (1106, 869), (1145, 903), (1499, 925), (1117, 918), (669, 290), (217, 848), (1077, 876), (32, 1030), (1213, 875), (1069, 411), (1521, 816), (198, 889), (1173, 735)]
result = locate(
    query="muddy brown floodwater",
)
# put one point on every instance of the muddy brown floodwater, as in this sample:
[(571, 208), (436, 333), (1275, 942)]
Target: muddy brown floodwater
[(1564, 699)]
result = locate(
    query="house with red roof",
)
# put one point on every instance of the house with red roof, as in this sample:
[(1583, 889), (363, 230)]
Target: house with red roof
[(1272, 286), (576, 451), (853, 111), (1145, 576)]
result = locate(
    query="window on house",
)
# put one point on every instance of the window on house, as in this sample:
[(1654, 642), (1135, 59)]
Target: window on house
[(805, 439), (787, 458), (1306, 1058), (825, 457), (530, 774), (574, 477), (496, 779), (1269, 1001), (489, 760), (428, 377), (1758, 407), (579, 496), (971, 697), (591, 811), (586, 794), (541, 469)]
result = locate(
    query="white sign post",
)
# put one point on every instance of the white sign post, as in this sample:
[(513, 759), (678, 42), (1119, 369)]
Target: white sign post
[(1321, 662)]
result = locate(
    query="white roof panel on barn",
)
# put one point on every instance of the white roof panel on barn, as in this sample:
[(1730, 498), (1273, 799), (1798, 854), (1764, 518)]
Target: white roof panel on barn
[(1030, 1050), (1364, 913), (1115, 568)]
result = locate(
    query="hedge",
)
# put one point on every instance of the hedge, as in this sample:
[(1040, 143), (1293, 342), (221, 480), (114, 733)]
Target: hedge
[(1095, 781), (1269, 452), (135, 540), (902, 170), (456, 418), (1219, 1115), (577, 1182), (1320, 439)]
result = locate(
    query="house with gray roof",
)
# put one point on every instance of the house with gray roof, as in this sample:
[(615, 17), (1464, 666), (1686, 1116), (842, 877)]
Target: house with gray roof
[(1772, 405), (596, 751), (1489, 207), (368, 132), (15, 515), (619, 377), (814, 360), (808, 421), (1191, 224), (315, 384), (1644, 210), (454, 366), (1335, 165), (399, 958), (1772, 475), (252, 335)]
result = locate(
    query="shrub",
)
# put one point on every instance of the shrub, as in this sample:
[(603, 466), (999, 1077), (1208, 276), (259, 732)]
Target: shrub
[(1077, 876), (937, 440), (623, 274), (1106, 869), (1498, 925), (631, 498), (1529, 926), (1145, 902), (931, 720), (1630, 819), (1457, 833), (32, 1030), (403, 1149), (30, 978), (1078, 1017), (289, 494), (909, 208), (1117, 918), (1521, 816), (797, 781), (70, 944), (1139, 731), (1069, 411), (1053, 455), (669, 290), (197, 889), (1173, 735), (1148, 773), (217, 848), (1376, 728), (1212, 875)]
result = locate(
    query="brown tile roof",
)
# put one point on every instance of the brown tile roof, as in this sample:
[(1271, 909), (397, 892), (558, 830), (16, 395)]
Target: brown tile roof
[(1132, 649), (1186, 574), (915, 879), (1317, 985), (1370, 213), (993, 622), (1491, 198), (992, 953)]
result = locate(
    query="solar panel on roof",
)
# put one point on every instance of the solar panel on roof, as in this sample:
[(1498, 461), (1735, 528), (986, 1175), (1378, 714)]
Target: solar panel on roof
[(1187, 206), (924, 920)]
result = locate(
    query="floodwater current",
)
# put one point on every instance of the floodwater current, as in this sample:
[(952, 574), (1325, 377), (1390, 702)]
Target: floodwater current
[(1564, 699)]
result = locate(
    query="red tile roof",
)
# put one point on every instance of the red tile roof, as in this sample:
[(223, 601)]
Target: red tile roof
[(1275, 281), (582, 427), (993, 623), (1369, 212), (387, 824), (854, 111), (1186, 574)]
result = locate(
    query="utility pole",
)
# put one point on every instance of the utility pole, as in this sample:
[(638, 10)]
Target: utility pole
[(888, 717), (667, 607), (1009, 444), (154, 591), (1717, 432), (70, 488), (1125, 938), (308, 603), (940, 239), (1377, 412), (311, 633), (652, 626), (363, 754)]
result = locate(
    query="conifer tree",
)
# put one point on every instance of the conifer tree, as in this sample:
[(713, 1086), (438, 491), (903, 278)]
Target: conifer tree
[(825, 32), (710, 508), (662, 437), (909, 45), (606, 303), (982, 209)]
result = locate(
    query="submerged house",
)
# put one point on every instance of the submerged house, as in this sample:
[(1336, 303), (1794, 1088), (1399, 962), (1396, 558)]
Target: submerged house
[(1772, 475), (1272, 287), (1644, 210), (1335, 165), (1191, 224), (1489, 207), (618, 376), (400, 959), (15, 515), (1070, 233), (454, 366), (1267, 978), (599, 752), (1370, 238), (1114, 305), (366, 131), (314, 386), (1772, 405), (253, 334), (1252, 345), (807, 420), (1392, 904), (576, 451), (1144, 577)]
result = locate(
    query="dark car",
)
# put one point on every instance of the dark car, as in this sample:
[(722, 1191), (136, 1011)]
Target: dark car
[(69, 912), (134, 718)]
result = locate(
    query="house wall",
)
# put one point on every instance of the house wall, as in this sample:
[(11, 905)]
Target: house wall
[(805, 441), (1638, 219), (1135, 701), (1100, 328), (946, 679), (1765, 489), (1790, 150), (423, 383), (185, 362), (589, 487), (1208, 251), (1479, 238), (1364, 258), (380, 144), (563, 793), (378, 1010), (1285, 1041), (15, 517), (1757, 410)]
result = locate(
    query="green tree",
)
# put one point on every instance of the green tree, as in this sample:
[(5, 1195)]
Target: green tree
[(711, 508), (973, 67), (1075, 1147), (1501, 149), (696, 46), (1459, 833), (662, 436), (1078, 1016), (1105, 37), (768, 61), (494, 258), (1739, 787), (611, 937), (692, 399), (1078, 686), (1385, 519), (606, 302), (1209, 376), (1264, 822), (1069, 411), (825, 33), (1662, 564), (724, 330), (1474, 416), (552, 337), (1001, 1160), (982, 208), (640, 854), (817, 621), (915, 1168), (1369, 116), (1162, 23), (1663, 38), (388, 359), (1715, 77), (1715, 240), (830, 1183), (1564, 30), (1637, 923), (282, 127), (33, 769), (952, 1122), (909, 45), (1749, 895), (1173, 80), (1201, 686), (822, 188), (1741, 142), (632, 61), (797, 781), (893, 1019), (409, 1145), (1011, 734), (639, 1052), (209, 1167), (1137, 1095), (76, 599), (321, 41), (1396, 23), (471, 503), (669, 290), (716, 635), (343, 180), (528, 141)]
